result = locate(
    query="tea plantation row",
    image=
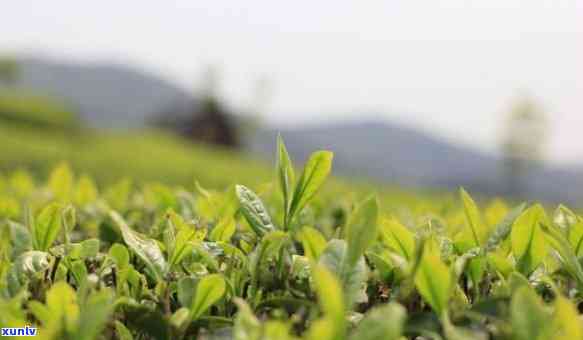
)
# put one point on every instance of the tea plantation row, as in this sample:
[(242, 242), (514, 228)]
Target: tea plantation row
[(284, 260)]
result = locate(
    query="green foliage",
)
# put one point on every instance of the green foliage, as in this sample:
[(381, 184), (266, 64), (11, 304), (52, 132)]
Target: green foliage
[(47, 226), (145, 260), (528, 243), (382, 323), (433, 279)]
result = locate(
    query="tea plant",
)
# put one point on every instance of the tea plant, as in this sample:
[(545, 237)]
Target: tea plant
[(286, 260)]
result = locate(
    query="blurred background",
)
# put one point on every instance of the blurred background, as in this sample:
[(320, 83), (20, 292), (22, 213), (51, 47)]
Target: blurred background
[(416, 94)]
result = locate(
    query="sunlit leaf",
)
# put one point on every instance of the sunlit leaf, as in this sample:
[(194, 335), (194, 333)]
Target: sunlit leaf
[(224, 230), (146, 248), (47, 226), (209, 290), (313, 242), (433, 279), (313, 176), (61, 182), (528, 242), (361, 229), (285, 174), (397, 237)]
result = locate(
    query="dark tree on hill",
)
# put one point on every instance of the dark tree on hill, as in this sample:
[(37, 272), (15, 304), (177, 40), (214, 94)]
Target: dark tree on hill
[(205, 120)]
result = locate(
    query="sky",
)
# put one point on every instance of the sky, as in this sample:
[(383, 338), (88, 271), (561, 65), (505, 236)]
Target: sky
[(451, 68)]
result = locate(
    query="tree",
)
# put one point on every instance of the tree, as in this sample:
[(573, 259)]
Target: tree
[(523, 141)]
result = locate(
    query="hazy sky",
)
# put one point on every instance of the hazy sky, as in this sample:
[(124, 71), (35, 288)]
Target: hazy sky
[(448, 67)]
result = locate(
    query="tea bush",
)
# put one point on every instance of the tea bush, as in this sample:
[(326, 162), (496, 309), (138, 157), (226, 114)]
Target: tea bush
[(281, 261)]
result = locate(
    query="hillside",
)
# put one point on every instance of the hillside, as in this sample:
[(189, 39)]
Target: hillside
[(145, 155), (107, 95), (397, 154), (110, 95)]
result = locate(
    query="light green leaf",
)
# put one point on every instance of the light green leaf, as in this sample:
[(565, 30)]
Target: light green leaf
[(566, 323), (382, 323), (224, 230), (122, 332), (63, 308), (120, 255), (397, 237), (528, 242), (331, 301), (313, 242), (576, 237), (315, 172), (95, 313), (61, 182), (269, 246), (47, 226), (186, 288), (433, 279), (118, 194), (247, 326), (285, 174), (254, 211), (528, 316), (146, 248), (209, 290), (351, 275), (85, 191), (361, 228), (472, 213), (567, 257), (503, 228)]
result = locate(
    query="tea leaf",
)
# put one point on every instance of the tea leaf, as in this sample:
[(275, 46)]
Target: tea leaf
[(186, 288), (254, 211), (247, 327), (503, 229), (47, 226), (224, 230), (315, 172), (85, 191), (566, 323), (209, 290), (528, 242), (331, 301), (566, 254), (529, 318), (382, 323), (61, 182), (361, 229), (473, 218), (397, 237), (285, 174), (313, 242), (351, 275), (122, 332), (146, 248), (433, 279)]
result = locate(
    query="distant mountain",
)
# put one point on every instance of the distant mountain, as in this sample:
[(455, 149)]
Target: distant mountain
[(107, 95), (398, 154)]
